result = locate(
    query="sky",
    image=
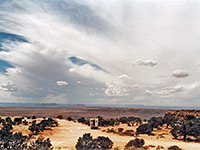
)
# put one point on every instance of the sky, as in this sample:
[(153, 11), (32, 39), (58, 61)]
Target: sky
[(100, 52)]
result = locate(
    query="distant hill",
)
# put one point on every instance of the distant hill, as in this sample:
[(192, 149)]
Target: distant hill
[(4, 104)]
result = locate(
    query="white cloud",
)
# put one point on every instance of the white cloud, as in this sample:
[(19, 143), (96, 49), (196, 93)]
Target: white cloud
[(173, 90), (166, 91), (72, 70), (124, 76), (61, 83), (180, 74), (11, 87), (115, 90), (79, 82), (146, 63)]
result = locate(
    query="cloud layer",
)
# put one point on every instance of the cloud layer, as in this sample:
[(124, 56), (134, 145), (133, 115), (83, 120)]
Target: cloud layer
[(91, 52)]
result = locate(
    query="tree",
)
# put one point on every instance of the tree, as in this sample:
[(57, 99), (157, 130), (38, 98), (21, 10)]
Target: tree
[(169, 120), (123, 119), (136, 143), (82, 120), (156, 121), (9, 141), (40, 127), (69, 119), (120, 129), (174, 147), (103, 143), (185, 128), (87, 142), (40, 144), (144, 129), (16, 141)]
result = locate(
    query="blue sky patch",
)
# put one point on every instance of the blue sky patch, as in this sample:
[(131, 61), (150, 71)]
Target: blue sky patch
[(10, 37), (81, 62), (4, 65)]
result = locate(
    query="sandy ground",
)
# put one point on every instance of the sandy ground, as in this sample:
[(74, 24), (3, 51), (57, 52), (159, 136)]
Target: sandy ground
[(66, 135)]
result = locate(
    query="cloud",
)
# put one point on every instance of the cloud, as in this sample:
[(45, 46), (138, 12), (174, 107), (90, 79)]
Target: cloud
[(180, 74), (166, 91), (150, 63), (124, 76), (79, 82), (72, 70), (61, 83), (115, 90), (11, 87), (81, 62), (96, 42)]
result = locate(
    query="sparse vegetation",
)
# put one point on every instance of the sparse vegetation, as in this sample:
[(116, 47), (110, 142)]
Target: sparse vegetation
[(16, 141), (185, 128), (40, 127)]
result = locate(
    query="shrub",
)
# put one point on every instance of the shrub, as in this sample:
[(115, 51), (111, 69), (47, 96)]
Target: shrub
[(7, 126), (16, 141), (174, 147), (120, 129), (156, 121), (103, 122), (33, 117), (169, 120), (81, 120), (136, 143), (11, 141), (128, 132), (103, 143), (87, 142), (41, 144), (40, 127), (123, 119), (69, 119), (144, 129), (111, 130), (185, 128), (17, 121), (9, 121)]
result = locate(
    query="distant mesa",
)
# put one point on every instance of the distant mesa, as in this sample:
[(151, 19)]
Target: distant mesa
[(2, 104)]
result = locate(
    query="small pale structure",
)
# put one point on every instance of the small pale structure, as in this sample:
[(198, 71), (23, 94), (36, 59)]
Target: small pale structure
[(94, 123)]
